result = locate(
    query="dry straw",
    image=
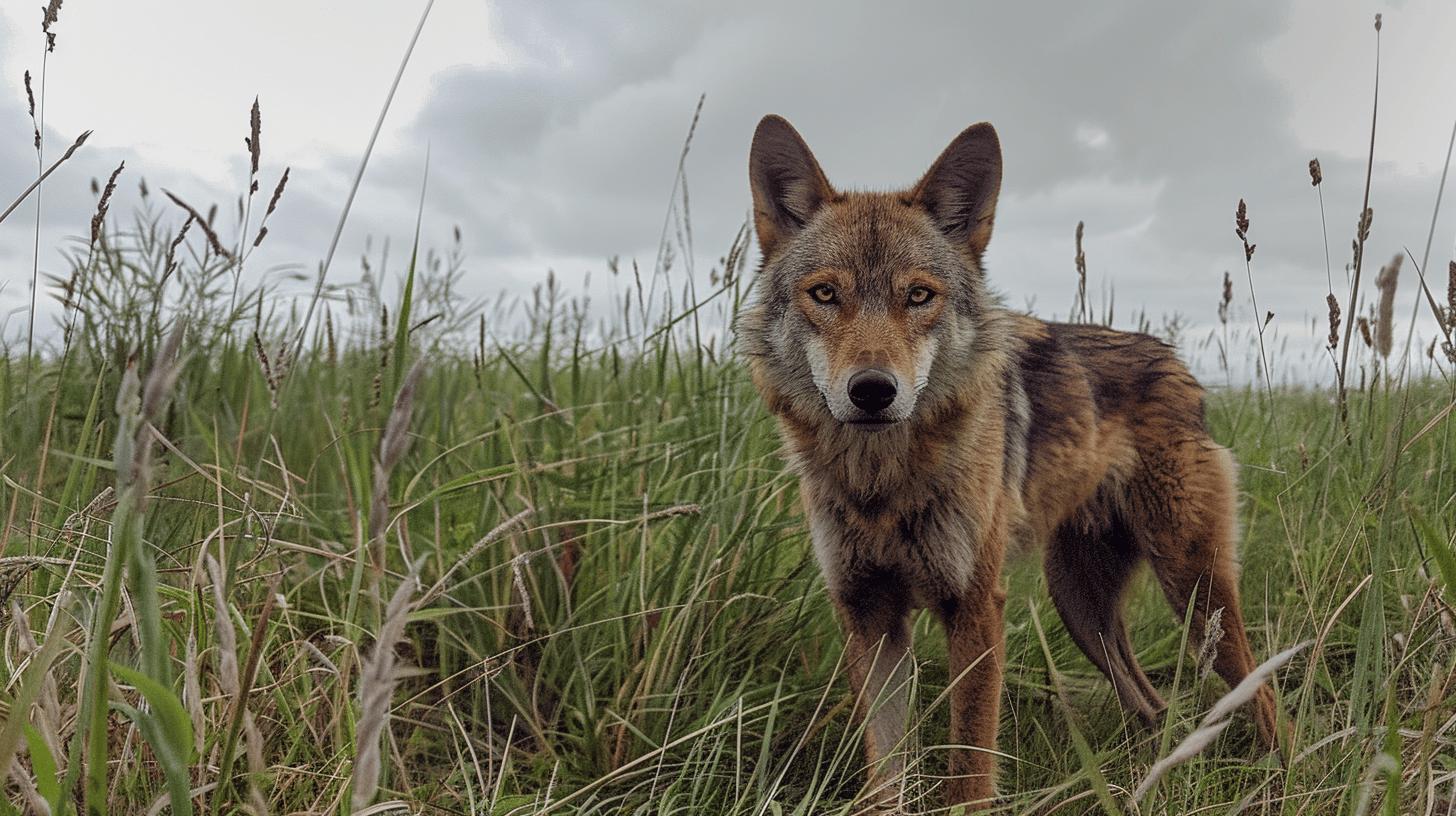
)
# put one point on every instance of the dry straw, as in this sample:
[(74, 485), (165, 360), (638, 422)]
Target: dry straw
[(377, 680), (1081, 261), (392, 447), (24, 194), (1217, 718), (1385, 282)]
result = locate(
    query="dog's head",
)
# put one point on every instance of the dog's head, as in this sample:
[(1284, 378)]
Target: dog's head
[(862, 296)]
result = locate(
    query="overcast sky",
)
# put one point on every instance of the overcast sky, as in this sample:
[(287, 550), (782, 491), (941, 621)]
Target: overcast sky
[(554, 128)]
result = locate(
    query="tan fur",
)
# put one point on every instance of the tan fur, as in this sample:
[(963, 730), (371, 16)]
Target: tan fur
[(1087, 442)]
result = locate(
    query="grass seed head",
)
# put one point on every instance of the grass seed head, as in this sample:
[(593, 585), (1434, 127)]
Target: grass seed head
[(255, 150), (377, 680), (1334, 305), (30, 98), (1385, 310), (1241, 229), (51, 13), (1315, 174), (1226, 301), (99, 219)]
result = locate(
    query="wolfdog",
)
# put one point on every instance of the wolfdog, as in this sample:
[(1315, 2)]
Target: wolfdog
[(932, 430)]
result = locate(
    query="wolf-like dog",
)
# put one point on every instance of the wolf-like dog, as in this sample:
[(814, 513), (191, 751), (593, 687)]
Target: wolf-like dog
[(932, 429)]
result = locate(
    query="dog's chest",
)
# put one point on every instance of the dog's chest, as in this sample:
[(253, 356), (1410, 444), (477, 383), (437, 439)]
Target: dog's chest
[(925, 541)]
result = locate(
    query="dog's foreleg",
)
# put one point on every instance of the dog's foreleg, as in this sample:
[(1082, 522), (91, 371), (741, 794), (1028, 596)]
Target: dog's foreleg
[(877, 654), (977, 649)]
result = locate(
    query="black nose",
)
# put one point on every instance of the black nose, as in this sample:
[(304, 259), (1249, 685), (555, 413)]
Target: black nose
[(872, 390)]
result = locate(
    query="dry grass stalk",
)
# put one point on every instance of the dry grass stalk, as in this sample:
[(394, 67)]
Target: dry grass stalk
[(229, 675), (269, 376), (272, 205), (206, 224), (99, 219), (392, 447), (1385, 282), (1208, 649), (171, 264), (253, 740), (377, 679), (192, 692), (34, 802), (34, 185), (47, 715), (1081, 261), (485, 541), (1217, 718), (226, 635)]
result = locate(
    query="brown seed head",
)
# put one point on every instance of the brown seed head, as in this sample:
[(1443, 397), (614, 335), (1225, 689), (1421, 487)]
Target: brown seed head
[(1385, 310), (204, 223), (1451, 297), (1364, 325), (104, 204), (1334, 305), (1315, 176), (30, 98), (255, 151), (51, 13)]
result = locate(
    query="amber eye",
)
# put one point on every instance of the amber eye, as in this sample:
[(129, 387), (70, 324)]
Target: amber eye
[(920, 295), (823, 293)]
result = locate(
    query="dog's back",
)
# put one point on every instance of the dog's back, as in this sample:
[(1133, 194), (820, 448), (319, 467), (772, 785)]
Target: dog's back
[(1119, 467)]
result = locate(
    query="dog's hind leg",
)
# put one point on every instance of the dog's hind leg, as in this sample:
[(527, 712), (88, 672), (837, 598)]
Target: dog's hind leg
[(1087, 574), (1187, 526)]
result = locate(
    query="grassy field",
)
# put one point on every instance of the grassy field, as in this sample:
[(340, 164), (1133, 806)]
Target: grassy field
[(534, 572), (378, 549)]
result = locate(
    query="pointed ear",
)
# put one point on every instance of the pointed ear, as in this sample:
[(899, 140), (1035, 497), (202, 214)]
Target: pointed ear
[(788, 186), (959, 191)]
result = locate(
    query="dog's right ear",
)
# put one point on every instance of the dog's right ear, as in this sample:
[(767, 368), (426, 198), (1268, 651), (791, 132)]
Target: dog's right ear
[(788, 186)]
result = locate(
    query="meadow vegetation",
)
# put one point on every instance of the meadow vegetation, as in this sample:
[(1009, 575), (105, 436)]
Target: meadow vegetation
[(384, 549)]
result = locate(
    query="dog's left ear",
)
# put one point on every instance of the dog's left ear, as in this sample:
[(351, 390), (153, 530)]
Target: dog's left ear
[(960, 189)]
